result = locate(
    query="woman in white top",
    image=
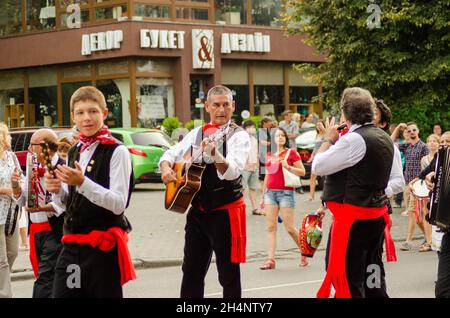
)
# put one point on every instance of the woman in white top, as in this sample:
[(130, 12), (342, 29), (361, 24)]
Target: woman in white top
[(9, 244)]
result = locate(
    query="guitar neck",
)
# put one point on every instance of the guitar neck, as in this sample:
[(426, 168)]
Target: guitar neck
[(198, 152)]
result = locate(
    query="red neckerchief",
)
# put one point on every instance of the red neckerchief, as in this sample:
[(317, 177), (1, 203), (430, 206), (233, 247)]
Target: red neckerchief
[(103, 136), (343, 132), (210, 129)]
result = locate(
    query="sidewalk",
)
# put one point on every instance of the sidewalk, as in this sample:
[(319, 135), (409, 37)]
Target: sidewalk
[(157, 238)]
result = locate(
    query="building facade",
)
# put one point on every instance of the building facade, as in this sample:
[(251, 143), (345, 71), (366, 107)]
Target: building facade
[(152, 59)]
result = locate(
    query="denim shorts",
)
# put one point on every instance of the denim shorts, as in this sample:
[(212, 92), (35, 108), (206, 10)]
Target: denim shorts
[(282, 198)]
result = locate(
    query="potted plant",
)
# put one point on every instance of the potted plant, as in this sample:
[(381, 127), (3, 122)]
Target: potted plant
[(47, 112), (231, 14)]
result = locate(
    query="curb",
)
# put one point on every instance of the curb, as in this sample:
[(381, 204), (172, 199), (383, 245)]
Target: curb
[(27, 273)]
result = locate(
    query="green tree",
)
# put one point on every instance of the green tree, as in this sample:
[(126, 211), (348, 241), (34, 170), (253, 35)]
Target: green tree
[(405, 61)]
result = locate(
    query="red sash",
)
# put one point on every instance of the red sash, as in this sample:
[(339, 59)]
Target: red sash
[(106, 241), (344, 217), (34, 229), (236, 213)]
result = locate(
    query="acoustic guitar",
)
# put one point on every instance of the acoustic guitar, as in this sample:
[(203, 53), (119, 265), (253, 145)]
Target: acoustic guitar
[(179, 193)]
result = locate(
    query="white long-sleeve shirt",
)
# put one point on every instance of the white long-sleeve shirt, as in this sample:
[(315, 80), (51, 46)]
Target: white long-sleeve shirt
[(347, 152), (238, 149), (115, 198)]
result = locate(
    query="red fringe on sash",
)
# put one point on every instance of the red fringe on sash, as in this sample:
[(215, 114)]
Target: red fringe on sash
[(344, 217), (106, 241), (236, 213), (34, 229)]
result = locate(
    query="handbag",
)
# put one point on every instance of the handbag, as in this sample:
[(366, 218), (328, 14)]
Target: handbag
[(11, 219), (13, 211), (290, 179)]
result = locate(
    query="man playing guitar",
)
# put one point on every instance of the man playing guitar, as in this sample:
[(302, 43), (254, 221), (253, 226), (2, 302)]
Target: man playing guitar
[(216, 219)]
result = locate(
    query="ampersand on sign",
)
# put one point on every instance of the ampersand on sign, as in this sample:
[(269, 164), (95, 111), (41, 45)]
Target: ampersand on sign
[(204, 54)]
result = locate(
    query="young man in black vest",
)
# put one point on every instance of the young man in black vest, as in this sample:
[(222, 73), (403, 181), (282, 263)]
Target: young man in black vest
[(46, 217), (216, 220), (95, 186), (357, 167)]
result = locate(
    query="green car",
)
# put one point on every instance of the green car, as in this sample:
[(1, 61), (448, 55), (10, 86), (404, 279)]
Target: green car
[(146, 146)]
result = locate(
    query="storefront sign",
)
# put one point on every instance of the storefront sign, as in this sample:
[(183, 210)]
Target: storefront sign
[(101, 41), (162, 39), (203, 49), (152, 107), (234, 42)]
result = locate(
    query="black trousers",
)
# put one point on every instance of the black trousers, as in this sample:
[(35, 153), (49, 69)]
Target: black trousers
[(47, 252), (86, 272), (442, 289), (364, 264), (206, 232)]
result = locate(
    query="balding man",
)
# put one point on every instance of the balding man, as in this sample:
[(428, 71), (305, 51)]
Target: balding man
[(46, 220)]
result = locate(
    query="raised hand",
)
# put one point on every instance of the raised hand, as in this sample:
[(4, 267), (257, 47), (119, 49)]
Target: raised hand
[(331, 131), (70, 176), (51, 183)]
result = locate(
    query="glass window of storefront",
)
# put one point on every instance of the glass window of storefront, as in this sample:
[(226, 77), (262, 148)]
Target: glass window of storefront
[(110, 13), (149, 66), (111, 68), (235, 77), (154, 11), (67, 90), (268, 88), (18, 16), (11, 96), (81, 70), (41, 14), (155, 101), (184, 13), (301, 91), (117, 94), (84, 17), (266, 12), (230, 11), (42, 96), (10, 17)]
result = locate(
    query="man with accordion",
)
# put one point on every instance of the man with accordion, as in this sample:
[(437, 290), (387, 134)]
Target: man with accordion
[(437, 177)]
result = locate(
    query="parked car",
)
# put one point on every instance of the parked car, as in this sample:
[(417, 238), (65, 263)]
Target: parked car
[(20, 140), (305, 145), (146, 147)]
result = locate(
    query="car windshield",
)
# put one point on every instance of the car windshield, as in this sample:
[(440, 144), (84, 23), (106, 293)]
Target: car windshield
[(307, 137), (151, 138), (68, 134)]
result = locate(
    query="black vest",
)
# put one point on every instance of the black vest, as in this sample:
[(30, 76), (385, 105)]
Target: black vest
[(83, 216), (213, 191), (364, 183)]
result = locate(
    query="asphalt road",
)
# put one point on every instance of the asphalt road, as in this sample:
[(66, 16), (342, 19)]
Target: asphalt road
[(412, 276)]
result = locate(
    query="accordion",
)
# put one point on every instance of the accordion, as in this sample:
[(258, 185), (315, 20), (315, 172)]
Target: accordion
[(440, 197)]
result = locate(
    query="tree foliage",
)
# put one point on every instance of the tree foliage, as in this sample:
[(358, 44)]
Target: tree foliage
[(405, 62)]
